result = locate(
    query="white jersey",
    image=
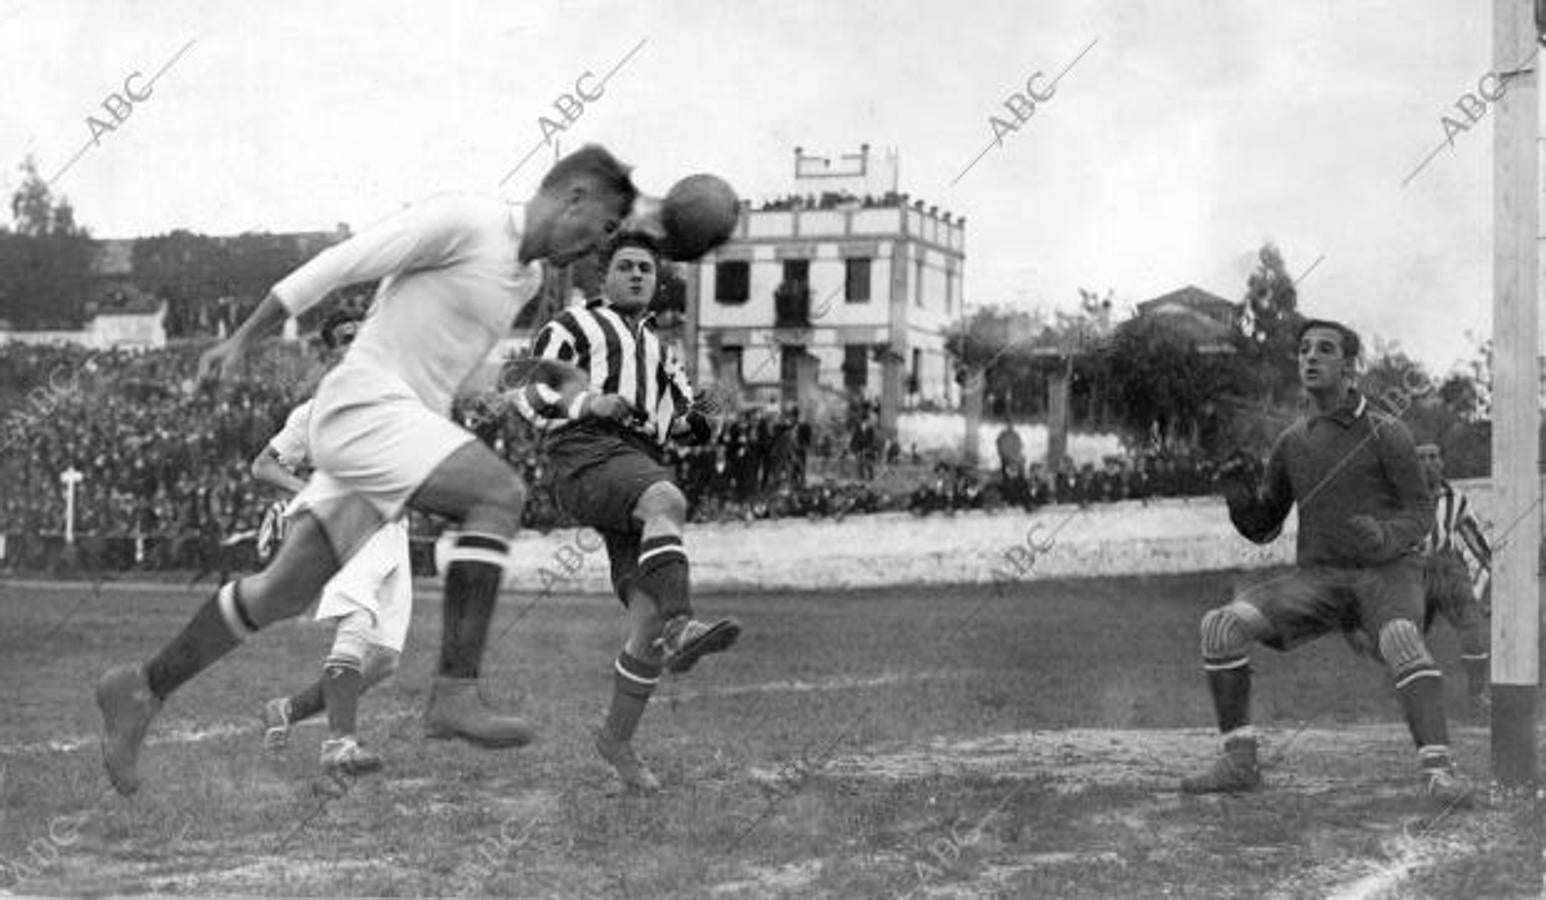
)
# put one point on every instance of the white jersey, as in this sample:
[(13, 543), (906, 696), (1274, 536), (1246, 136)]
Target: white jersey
[(452, 284)]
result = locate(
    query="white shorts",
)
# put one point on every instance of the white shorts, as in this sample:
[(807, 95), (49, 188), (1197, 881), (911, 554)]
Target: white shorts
[(374, 443), (378, 580)]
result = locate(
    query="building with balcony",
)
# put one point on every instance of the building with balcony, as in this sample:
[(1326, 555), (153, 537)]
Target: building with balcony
[(844, 289)]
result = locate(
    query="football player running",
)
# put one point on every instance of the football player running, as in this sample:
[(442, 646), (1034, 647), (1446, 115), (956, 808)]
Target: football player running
[(454, 271)]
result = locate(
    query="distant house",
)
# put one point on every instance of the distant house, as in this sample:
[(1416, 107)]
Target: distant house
[(1206, 320)]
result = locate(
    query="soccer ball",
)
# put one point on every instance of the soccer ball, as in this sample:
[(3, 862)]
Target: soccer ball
[(698, 214)]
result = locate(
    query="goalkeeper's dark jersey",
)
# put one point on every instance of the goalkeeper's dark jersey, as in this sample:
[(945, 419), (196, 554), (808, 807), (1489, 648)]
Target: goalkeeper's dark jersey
[(1351, 461)]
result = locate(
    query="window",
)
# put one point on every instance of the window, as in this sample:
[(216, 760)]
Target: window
[(797, 271), (856, 281), (732, 281), (731, 363), (950, 290), (856, 366), (914, 379), (918, 284), (789, 370)]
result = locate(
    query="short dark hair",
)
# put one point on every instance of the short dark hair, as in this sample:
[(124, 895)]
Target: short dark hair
[(1351, 345), (630, 237), (335, 321), (596, 164)]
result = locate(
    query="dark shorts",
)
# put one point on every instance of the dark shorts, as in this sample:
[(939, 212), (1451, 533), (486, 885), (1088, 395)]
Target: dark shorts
[(1305, 603), (1448, 593), (599, 474)]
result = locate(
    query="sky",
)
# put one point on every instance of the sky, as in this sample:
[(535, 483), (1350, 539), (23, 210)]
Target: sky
[(1184, 139)]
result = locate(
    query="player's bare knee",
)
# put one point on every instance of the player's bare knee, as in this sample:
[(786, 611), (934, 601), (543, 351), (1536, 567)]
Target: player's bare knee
[(1403, 650), (380, 663), (351, 641), (662, 501)]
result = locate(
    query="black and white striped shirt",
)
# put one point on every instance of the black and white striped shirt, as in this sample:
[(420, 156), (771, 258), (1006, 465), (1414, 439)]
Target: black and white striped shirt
[(1455, 529), (623, 360)]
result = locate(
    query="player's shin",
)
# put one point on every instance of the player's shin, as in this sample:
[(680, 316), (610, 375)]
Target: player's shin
[(343, 677), (633, 682), (217, 628), (473, 577), (1229, 683), (663, 575), (1476, 660), (1420, 686)]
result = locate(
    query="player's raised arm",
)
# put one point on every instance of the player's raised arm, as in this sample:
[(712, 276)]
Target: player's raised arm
[(422, 236), (425, 235)]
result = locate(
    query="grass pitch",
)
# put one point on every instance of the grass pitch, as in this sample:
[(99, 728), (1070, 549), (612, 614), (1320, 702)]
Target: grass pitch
[(913, 742)]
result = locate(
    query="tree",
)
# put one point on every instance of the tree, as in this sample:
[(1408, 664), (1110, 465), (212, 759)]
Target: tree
[(1270, 320), (45, 259), (1170, 395)]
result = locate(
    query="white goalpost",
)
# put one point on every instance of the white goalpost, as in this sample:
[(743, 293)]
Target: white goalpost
[(1516, 418)]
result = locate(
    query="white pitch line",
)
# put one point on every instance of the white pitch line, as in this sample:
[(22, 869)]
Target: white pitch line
[(844, 683), (178, 735), (1379, 883)]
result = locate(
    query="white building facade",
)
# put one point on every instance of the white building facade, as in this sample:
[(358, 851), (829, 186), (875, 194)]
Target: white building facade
[(847, 292)]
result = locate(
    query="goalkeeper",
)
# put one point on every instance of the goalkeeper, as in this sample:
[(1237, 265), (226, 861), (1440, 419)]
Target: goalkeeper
[(1364, 511)]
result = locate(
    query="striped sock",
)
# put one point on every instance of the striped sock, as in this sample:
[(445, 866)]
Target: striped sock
[(633, 682), (473, 577), (219, 627)]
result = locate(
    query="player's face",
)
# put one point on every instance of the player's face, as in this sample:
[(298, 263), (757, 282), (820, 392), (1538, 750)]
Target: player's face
[(1321, 363), (630, 282), (1432, 463), (587, 219)]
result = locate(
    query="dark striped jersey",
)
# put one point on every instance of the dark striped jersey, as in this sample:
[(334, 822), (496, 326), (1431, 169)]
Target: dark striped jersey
[(623, 360), (1455, 529)]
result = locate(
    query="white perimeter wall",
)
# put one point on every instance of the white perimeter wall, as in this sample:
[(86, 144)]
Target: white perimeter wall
[(1128, 538)]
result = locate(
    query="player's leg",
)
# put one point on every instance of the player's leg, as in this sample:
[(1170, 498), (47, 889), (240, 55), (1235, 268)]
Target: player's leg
[(1457, 604), (1282, 610), (343, 677), (1390, 601), (662, 576), (475, 487), (130, 696), (635, 671)]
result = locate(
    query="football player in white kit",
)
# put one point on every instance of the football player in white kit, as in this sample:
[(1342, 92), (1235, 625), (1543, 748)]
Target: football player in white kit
[(370, 601), (454, 272)]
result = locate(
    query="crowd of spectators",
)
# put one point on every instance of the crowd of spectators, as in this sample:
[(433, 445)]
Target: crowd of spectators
[(165, 467), (843, 200), (157, 458)]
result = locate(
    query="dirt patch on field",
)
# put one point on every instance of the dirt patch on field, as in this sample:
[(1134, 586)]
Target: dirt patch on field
[(1099, 812)]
